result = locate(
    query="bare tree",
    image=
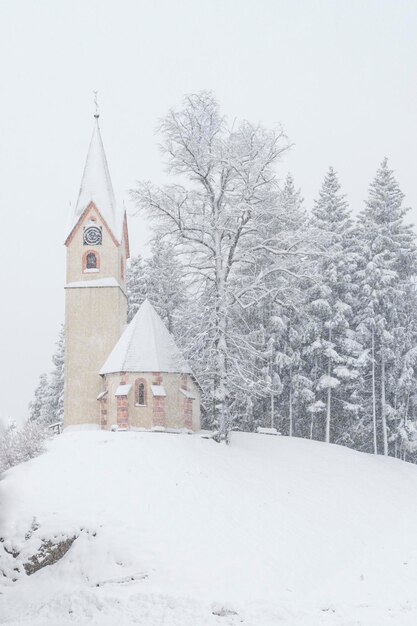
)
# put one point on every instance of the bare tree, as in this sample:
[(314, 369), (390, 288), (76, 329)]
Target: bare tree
[(222, 217)]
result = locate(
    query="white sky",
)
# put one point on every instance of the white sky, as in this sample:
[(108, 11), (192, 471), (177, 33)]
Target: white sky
[(341, 76)]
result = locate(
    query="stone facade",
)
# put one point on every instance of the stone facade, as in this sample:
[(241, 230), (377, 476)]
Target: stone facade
[(112, 255), (174, 410), (95, 325), (95, 317)]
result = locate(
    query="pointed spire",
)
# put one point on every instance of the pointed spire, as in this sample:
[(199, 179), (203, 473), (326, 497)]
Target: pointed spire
[(96, 185), (146, 346)]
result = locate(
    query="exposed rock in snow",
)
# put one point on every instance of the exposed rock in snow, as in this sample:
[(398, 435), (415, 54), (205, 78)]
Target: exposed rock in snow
[(48, 554), (181, 531)]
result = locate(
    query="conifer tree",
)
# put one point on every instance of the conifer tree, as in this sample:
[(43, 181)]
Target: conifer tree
[(37, 405), (48, 403), (159, 278), (387, 266), (165, 283), (135, 286), (329, 308), (56, 382), (282, 323)]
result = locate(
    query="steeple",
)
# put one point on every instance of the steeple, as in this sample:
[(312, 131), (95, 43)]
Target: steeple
[(97, 247), (146, 346), (96, 186)]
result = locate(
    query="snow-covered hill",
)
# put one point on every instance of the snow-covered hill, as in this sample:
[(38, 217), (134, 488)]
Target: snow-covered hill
[(176, 530)]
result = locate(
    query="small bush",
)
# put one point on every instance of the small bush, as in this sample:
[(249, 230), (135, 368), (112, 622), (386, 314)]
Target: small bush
[(21, 444)]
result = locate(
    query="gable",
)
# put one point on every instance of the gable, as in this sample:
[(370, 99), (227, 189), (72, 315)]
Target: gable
[(90, 211)]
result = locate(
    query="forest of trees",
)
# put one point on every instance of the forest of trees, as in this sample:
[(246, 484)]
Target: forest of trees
[(21, 443), (293, 317), (305, 320)]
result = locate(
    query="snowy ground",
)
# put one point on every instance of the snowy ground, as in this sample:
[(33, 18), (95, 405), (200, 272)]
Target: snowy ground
[(180, 531)]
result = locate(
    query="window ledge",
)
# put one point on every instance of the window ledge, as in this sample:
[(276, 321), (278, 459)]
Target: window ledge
[(92, 270), (140, 404)]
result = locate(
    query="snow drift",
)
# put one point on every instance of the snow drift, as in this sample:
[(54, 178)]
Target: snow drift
[(177, 530)]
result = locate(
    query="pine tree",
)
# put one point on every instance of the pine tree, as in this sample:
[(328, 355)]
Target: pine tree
[(136, 286), (48, 403), (281, 321), (37, 405), (388, 263), (160, 279), (329, 310), (165, 283), (55, 394)]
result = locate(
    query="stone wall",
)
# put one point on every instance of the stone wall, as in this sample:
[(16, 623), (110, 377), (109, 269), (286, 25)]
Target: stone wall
[(110, 253), (174, 410), (95, 317)]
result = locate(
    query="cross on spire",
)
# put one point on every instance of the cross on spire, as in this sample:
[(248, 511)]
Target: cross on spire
[(96, 114), (96, 185)]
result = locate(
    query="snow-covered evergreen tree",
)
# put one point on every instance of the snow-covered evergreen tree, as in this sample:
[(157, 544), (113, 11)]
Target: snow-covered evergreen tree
[(135, 285), (48, 403), (37, 405), (329, 349), (56, 382), (277, 321), (387, 268), (161, 279), (165, 283)]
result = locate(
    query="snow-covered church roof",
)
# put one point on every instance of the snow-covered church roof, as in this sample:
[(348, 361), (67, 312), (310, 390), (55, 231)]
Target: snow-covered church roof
[(146, 346), (96, 186)]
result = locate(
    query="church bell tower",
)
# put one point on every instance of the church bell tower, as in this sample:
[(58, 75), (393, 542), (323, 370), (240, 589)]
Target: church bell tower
[(95, 292)]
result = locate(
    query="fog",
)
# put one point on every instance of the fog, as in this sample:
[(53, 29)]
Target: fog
[(339, 76)]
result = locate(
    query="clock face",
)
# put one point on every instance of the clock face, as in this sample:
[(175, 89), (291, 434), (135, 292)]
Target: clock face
[(92, 236)]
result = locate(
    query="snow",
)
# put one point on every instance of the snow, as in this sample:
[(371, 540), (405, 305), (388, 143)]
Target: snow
[(179, 530), (146, 346), (96, 186), (188, 394), (123, 390), (158, 390), (99, 282), (328, 381), (261, 430), (343, 372)]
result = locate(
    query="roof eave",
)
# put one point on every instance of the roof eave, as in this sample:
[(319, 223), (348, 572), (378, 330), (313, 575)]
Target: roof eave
[(91, 205)]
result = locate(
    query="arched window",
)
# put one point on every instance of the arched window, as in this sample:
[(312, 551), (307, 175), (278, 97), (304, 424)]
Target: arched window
[(140, 392), (91, 261)]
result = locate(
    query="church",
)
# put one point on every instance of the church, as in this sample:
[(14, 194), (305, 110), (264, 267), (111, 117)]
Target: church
[(117, 376)]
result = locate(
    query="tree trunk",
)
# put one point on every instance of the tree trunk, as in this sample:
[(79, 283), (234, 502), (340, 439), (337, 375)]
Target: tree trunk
[(220, 392), (329, 395), (373, 391), (271, 373), (383, 404), (290, 408), (406, 408), (329, 400)]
